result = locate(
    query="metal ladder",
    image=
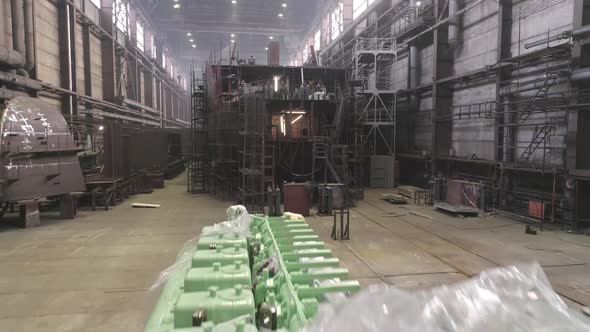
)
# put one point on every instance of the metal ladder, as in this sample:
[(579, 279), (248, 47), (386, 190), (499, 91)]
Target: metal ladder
[(538, 138)]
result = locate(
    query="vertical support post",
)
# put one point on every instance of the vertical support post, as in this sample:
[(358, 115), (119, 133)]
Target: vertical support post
[(87, 57), (441, 94), (108, 50), (67, 55), (29, 214), (67, 207), (503, 134)]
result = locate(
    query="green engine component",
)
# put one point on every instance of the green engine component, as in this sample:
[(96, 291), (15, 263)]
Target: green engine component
[(241, 325), (215, 305), (224, 256), (293, 275), (212, 241), (221, 276), (274, 279)]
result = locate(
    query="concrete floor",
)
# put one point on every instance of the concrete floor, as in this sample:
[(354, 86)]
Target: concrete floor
[(93, 273)]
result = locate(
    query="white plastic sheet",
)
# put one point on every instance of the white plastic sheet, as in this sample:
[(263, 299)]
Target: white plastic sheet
[(516, 298), (238, 221)]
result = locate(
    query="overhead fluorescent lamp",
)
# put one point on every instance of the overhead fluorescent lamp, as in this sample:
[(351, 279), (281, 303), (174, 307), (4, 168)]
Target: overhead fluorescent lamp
[(276, 79), (296, 119)]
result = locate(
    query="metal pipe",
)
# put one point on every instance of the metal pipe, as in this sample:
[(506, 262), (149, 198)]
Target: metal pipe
[(453, 24), (11, 94), (4, 14), (18, 26), (583, 30), (563, 35), (19, 81), (10, 58), (413, 65), (580, 74), (531, 85), (29, 35)]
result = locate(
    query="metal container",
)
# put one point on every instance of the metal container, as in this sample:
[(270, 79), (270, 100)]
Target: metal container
[(39, 155), (296, 198)]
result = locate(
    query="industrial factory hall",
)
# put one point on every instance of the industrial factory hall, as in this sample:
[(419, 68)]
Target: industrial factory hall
[(294, 165)]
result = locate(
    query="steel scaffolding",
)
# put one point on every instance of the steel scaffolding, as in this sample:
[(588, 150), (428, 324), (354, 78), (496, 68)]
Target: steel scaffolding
[(374, 113), (199, 161)]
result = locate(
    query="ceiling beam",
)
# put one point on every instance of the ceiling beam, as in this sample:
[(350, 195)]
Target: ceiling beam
[(172, 26)]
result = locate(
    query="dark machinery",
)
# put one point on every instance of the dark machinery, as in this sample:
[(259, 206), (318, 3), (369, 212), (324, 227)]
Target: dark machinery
[(38, 153)]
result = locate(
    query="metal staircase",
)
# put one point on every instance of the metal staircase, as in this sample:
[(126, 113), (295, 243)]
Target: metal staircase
[(540, 94), (538, 138), (321, 153)]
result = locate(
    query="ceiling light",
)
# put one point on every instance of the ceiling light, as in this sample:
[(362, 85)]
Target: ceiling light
[(418, 3), (283, 127), (194, 46), (284, 5), (189, 34), (234, 2), (177, 6), (232, 35), (233, 41), (191, 40), (271, 37), (266, 48), (280, 14), (296, 119)]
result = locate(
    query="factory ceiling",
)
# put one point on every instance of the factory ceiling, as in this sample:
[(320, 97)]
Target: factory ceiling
[(195, 28)]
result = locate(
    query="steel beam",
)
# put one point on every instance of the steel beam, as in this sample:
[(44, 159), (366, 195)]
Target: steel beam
[(67, 55)]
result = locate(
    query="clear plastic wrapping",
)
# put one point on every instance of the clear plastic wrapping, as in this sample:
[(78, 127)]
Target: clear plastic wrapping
[(516, 298), (165, 291)]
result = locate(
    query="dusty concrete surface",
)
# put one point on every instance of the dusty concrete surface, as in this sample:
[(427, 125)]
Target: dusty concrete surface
[(93, 273), (390, 244)]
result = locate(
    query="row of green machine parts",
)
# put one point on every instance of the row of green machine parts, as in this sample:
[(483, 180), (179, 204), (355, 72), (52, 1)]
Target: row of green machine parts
[(274, 279)]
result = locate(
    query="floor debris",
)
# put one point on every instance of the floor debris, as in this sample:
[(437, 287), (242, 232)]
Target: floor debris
[(145, 206)]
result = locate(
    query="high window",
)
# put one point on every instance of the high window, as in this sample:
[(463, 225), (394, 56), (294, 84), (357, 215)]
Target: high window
[(140, 36), (336, 20), (154, 48), (359, 7), (317, 40), (121, 15)]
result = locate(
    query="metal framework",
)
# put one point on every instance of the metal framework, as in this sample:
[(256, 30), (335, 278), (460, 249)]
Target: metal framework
[(199, 161), (254, 178), (375, 105)]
